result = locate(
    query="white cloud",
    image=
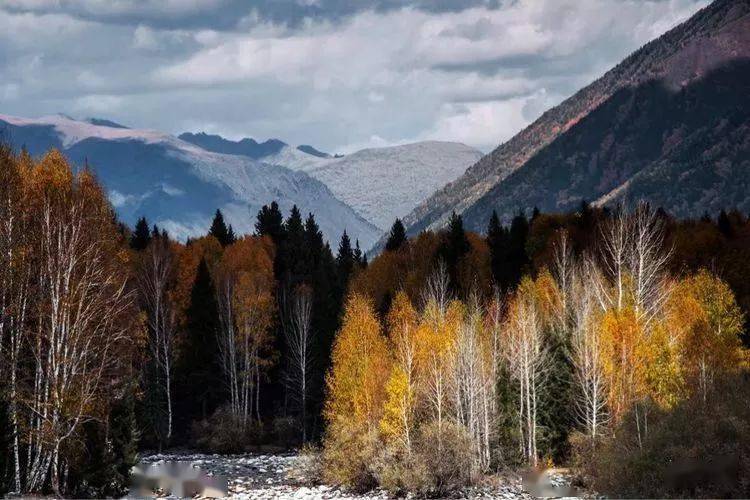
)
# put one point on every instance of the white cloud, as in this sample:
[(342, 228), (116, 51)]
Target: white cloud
[(475, 75)]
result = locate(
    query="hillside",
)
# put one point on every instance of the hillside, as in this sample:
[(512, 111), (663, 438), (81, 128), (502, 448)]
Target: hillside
[(179, 185), (687, 151), (382, 184), (711, 39)]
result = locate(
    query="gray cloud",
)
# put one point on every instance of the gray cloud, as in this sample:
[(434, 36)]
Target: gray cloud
[(337, 74)]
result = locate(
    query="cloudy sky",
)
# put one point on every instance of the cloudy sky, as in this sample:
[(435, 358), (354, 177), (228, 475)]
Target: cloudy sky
[(337, 74)]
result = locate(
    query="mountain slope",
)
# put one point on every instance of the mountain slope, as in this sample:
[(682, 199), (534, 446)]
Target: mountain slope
[(179, 185), (713, 37), (382, 184), (687, 151)]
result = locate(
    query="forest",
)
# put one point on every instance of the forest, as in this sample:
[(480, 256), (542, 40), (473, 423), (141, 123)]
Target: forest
[(609, 340)]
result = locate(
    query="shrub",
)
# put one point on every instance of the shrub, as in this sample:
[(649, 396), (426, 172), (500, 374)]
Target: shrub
[(698, 449), (222, 432), (446, 451), (308, 468), (399, 472), (286, 431), (349, 454)]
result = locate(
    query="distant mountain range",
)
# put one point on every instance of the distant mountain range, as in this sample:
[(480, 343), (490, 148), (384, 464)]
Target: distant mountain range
[(381, 184), (670, 124), (178, 183)]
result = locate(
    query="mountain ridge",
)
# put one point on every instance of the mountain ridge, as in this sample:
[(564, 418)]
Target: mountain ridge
[(715, 35)]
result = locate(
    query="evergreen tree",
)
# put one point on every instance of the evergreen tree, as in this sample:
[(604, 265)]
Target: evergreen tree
[(497, 240), (397, 236), (518, 260), (455, 245), (358, 254), (110, 452), (198, 380), (141, 237), (295, 250), (220, 231), (270, 222), (345, 259), (725, 225)]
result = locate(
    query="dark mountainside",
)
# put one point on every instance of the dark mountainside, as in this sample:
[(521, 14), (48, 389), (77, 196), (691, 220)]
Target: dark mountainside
[(711, 39), (686, 151), (244, 147), (305, 148)]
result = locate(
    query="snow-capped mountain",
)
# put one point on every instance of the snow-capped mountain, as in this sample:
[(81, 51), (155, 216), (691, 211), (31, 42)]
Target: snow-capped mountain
[(381, 184), (179, 185)]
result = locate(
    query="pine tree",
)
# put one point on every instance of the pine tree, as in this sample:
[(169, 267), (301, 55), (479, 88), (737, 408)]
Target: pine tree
[(518, 260), (725, 225), (345, 259), (270, 222), (497, 240), (295, 250), (198, 369), (358, 254), (397, 236), (220, 231), (141, 237), (455, 246)]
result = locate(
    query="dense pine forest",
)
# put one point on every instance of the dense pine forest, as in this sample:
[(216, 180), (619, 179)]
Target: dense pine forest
[(609, 340)]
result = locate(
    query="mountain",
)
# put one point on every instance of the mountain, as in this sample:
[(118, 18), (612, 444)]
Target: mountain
[(382, 184), (179, 185), (272, 151), (668, 124), (244, 147), (312, 151)]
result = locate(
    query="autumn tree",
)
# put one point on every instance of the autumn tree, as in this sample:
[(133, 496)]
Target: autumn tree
[(155, 275), (246, 303)]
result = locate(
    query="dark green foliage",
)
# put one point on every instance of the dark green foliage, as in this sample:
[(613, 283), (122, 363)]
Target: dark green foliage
[(108, 453), (699, 449), (556, 417), (724, 224), (358, 255), (345, 259), (397, 236), (270, 222), (509, 260), (454, 246), (141, 236), (199, 389), (220, 231), (302, 257), (518, 260), (498, 242)]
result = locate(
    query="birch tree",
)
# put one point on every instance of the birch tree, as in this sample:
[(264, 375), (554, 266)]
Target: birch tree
[(299, 339), (154, 279)]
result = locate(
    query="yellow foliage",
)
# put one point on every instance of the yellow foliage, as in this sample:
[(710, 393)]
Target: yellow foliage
[(360, 367), (623, 348), (396, 422)]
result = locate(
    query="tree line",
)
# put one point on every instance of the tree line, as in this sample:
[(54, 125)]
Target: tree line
[(556, 340), (529, 344)]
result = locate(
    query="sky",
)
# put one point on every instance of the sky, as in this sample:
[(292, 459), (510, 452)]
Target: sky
[(340, 75)]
